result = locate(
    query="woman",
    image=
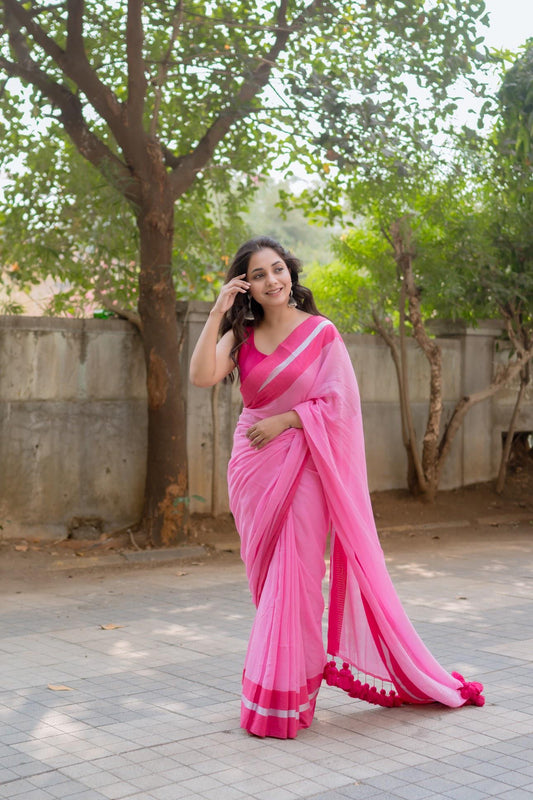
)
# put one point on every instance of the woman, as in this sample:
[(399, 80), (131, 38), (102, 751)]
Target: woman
[(297, 471)]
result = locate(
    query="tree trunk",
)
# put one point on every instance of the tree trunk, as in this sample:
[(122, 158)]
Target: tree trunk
[(408, 434), (419, 480), (165, 498), (504, 463), (401, 236), (416, 482), (430, 447)]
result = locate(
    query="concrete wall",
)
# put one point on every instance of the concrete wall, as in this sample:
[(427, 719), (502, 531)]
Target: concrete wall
[(73, 418), (381, 409), (72, 424), (211, 418)]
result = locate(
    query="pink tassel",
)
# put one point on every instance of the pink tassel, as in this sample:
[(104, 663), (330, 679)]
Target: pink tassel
[(330, 673), (470, 691), (344, 679), (355, 690)]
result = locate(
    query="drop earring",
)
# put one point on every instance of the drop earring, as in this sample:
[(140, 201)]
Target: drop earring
[(291, 302), (249, 313)]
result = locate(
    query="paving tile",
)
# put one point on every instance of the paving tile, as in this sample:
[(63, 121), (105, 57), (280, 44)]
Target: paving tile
[(170, 792), (19, 788), (47, 779), (516, 779), (516, 794), (385, 782), (490, 787), (413, 792), (466, 793), (153, 714), (359, 791)]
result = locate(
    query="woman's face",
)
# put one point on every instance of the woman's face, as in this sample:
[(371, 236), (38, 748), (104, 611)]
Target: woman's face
[(269, 278)]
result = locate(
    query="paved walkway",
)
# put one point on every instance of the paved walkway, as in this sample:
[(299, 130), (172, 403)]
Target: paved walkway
[(151, 704)]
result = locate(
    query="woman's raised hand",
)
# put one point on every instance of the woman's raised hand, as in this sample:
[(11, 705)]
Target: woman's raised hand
[(229, 292), (211, 360)]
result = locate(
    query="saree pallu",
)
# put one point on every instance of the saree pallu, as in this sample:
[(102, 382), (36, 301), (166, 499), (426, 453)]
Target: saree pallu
[(285, 498)]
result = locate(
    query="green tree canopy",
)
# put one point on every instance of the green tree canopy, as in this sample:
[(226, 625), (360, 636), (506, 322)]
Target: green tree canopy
[(171, 103), (338, 67)]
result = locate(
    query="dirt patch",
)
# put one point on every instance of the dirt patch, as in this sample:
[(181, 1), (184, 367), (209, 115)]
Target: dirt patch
[(470, 503), (398, 509), (397, 513)]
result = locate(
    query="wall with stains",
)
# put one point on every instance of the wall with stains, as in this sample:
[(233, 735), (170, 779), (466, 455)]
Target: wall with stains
[(73, 419), (72, 425)]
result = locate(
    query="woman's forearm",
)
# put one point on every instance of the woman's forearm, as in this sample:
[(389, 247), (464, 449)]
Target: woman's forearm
[(291, 419), (203, 366), (264, 430), (211, 360)]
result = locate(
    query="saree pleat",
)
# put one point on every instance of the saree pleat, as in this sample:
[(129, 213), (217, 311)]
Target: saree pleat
[(285, 658), (284, 498)]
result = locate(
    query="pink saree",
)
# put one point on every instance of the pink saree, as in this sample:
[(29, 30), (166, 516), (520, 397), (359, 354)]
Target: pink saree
[(285, 498)]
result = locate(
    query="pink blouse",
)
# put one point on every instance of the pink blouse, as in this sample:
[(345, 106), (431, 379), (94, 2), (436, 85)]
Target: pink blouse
[(249, 355)]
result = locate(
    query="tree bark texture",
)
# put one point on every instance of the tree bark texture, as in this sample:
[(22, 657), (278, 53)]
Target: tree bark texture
[(426, 468), (408, 432), (165, 499), (506, 453)]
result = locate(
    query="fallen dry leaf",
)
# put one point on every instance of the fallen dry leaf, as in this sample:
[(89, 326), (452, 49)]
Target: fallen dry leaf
[(60, 688), (21, 547), (110, 627)]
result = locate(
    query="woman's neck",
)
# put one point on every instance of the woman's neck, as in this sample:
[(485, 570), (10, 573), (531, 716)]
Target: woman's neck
[(279, 317)]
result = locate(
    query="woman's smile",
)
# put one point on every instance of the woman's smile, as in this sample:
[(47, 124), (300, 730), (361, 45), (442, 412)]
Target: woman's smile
[(269, 276)]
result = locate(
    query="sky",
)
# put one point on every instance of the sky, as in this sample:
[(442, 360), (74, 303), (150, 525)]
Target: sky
[(511, 23)]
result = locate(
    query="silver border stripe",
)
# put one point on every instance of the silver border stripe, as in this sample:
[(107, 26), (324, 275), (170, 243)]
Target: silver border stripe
[(276, 712), (296, 353)]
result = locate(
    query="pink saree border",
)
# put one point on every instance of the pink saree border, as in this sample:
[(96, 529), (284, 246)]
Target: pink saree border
[(266, 379)]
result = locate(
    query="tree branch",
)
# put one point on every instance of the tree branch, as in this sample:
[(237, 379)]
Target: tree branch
[(183, 175), (511, 316), (136, 76), (504, 377), (71, 116), (124, 313), (43, 9), (74, 27), (171, 160), (506, 452), (75, 65), (26, 19), (162, 74)]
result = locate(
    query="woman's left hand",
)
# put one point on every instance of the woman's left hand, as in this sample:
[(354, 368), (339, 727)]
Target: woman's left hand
[(262, 432)]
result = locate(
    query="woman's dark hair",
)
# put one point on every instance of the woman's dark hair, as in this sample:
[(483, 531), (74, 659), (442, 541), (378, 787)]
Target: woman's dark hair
[(234, 318)]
